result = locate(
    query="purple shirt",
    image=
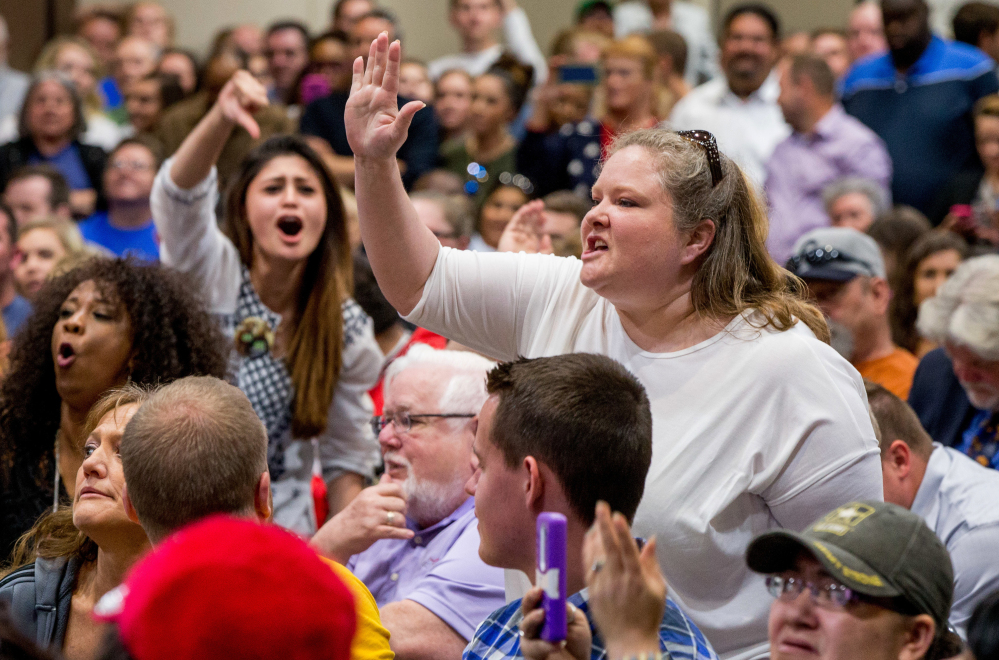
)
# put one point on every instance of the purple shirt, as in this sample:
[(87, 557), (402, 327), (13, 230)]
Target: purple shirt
[(804, 164), (439, 568)]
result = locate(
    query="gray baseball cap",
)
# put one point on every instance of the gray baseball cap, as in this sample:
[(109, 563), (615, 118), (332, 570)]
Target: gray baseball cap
[(836, 253), (874, 548)]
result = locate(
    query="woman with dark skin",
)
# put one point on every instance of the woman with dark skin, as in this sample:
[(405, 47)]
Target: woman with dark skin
[(94, 328)]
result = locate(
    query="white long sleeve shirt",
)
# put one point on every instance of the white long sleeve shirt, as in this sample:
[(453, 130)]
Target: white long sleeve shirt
[(191, 242), (753, 429), (519, 40)]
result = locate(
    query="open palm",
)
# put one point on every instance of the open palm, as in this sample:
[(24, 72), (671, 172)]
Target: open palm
[(376, 125)]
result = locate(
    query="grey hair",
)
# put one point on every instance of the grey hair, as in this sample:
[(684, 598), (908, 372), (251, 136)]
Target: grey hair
[(79, 120), (465, 391), (966, 308), (457, 209), (855, 184)]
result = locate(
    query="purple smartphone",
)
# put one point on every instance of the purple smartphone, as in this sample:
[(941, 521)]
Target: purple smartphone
[(551, 574)]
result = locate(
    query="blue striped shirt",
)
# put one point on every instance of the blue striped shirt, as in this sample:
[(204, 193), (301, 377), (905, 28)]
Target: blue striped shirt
[(498, 636)]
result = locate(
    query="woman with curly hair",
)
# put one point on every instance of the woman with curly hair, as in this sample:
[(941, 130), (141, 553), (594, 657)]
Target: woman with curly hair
[(279, 278), (94, 328)]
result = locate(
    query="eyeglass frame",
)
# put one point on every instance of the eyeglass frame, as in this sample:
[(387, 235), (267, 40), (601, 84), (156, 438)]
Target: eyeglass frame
[(776, 586), (379, 422), (707, 141), (824, 254)]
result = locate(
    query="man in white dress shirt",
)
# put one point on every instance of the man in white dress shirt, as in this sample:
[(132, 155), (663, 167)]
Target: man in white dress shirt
[(954, 495), (477, 23), (740, 107)]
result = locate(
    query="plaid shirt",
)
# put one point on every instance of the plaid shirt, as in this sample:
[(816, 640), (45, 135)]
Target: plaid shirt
[(497, 637)]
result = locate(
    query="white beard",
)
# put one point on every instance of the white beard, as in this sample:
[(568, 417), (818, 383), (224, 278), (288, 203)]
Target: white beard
[(428, 502), (983, 397)]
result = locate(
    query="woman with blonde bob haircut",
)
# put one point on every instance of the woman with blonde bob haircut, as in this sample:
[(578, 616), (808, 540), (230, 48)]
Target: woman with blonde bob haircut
[(757, 422), (47, 247)]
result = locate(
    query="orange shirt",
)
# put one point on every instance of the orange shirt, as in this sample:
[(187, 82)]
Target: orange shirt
[(894, 372)]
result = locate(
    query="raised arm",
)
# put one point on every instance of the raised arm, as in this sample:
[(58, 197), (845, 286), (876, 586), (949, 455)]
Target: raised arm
[(199, 151), (401, 249)]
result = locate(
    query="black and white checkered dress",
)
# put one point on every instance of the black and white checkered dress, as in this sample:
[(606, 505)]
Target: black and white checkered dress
[(264, 379)]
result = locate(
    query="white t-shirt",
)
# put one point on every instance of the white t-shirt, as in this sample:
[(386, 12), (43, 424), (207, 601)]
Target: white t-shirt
[(752, 429)]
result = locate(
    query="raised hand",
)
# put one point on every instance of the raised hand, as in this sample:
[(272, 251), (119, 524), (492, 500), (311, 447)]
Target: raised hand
[(240, 98), (525, 231), (627, 589), (578, 640), (378, 512), (376, 126)]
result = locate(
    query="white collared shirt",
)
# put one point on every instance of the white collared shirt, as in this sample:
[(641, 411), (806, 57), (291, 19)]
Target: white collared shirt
[(958, 500), (747, 130)]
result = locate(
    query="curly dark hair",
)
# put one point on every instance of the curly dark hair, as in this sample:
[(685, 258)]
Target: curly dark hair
[(173, 337)]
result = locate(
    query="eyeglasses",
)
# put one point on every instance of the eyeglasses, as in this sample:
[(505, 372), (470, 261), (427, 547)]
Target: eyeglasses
[(131, 165), (403, 420), (830, 594), (710, 145), (817, 255)]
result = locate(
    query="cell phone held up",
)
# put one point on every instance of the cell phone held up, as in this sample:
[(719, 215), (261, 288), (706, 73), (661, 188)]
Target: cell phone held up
[(582, 74), (551, 569)]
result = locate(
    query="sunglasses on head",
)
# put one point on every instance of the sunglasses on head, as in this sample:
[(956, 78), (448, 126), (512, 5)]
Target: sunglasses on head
[(819, 255), (707, 141)]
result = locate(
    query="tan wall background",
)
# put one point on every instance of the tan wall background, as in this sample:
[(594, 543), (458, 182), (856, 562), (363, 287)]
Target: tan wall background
[(428, 34)]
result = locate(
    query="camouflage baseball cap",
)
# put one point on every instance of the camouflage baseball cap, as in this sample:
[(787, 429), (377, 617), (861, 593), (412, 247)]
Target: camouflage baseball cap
[(874, 548)]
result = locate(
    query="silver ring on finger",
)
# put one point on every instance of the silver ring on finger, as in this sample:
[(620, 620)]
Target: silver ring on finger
[(390, 517), (598, 566)]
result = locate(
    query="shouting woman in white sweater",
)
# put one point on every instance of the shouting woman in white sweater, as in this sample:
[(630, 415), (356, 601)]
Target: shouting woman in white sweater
[(304, 352), (757, 423)]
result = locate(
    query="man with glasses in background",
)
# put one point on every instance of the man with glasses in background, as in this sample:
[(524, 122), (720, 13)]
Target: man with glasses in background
[(413, 538), (869, 580), (846, 278), (126, 228)]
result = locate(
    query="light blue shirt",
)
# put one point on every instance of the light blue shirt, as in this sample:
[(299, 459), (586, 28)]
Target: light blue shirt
[(959, 500)]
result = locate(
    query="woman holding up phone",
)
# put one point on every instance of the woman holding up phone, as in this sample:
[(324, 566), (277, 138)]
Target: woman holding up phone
[(757, 422)]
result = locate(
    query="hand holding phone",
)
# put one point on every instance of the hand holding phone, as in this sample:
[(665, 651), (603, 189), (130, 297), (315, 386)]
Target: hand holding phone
[(551, 574)]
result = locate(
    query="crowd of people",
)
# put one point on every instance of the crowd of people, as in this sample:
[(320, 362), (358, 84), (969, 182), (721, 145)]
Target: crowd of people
[(301, 336)]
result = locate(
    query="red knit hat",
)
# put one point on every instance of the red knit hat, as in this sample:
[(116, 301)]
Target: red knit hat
[(232, 588)]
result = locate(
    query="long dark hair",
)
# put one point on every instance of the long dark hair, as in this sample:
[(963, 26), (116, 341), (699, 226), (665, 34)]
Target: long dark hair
[(903, 310), (315, 354), (173, 337)]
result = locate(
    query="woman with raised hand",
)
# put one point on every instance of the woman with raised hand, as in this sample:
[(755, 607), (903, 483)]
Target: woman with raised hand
[(758, 423), (279, 278)]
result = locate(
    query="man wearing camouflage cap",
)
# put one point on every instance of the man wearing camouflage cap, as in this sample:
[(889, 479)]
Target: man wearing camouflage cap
[(869, 580)]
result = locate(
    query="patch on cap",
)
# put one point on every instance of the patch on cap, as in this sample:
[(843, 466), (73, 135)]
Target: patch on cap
[(843, 519)]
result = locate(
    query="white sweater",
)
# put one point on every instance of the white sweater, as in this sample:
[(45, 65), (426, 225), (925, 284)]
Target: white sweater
[(752, 429), (191, 242)]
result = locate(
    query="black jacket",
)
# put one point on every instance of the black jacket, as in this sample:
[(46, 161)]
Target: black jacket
[(14, 155), (40, 596), (939, 400), (324, 118), (962, 189)]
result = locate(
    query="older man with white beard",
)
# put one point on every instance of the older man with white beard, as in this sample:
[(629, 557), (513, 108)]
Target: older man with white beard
[(413, 538), (964, 318)]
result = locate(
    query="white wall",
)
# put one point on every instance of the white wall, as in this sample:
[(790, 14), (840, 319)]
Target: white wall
[(428, 34)]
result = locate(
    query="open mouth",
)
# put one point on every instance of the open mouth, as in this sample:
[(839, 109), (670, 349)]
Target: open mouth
[(65, 355), (596, 244), (290, 226)]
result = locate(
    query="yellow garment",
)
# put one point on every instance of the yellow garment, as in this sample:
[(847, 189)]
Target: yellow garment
[(371, 639)]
